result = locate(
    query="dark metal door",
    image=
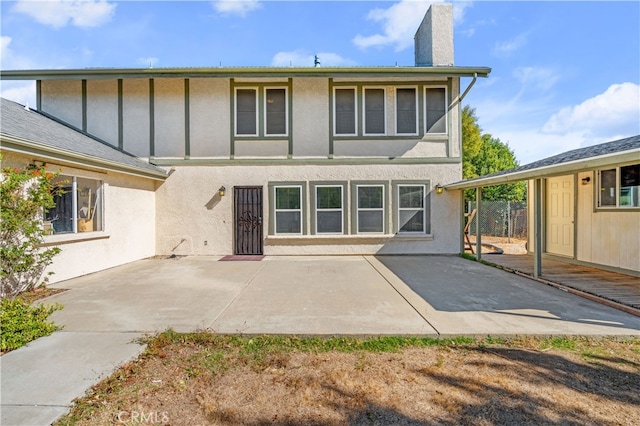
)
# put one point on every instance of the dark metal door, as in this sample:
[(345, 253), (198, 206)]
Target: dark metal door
[(247, 208)]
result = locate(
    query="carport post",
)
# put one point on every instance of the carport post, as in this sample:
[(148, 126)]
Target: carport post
[(478, 233), (537, 229)]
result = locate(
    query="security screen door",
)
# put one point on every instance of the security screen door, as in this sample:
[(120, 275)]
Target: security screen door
[(247, 203)]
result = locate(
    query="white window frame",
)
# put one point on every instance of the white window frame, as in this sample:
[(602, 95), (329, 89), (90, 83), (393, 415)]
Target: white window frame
[(318, 209), (426, 112), (417, 100), (355, 110), (98, 214), (359, 209), (286, 111), (364, 110), (235, 124), (423, 209), (276, 210), (618, 188)]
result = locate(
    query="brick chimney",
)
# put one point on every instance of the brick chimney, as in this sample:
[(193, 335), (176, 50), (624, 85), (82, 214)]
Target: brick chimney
[(434, 38)]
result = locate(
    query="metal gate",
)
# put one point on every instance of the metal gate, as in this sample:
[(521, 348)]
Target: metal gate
[(248, 219)]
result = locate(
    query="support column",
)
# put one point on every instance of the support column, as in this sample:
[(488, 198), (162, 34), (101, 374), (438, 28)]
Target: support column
[(478, 230), (537, 229)]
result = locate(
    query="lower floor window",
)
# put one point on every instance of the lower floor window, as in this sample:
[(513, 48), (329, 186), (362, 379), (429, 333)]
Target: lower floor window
[(411, 212), (329, 212), (288, 209), (370, 205), (78, 208), (619, 187)]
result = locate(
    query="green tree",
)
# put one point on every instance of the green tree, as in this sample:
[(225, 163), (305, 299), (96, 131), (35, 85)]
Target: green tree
[(25, 194), (482, 155)]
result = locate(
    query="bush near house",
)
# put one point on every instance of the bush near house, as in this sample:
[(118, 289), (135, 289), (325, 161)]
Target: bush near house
[(25, 195)]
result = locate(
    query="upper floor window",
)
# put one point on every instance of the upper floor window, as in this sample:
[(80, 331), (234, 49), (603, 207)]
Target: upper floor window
[(345, 112), (78, 208), (374, 111), (435, 99), (619, 187), (406, 111), (274, 110), (246, 112)]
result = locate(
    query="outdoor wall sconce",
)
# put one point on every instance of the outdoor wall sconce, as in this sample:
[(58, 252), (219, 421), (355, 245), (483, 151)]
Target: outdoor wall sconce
[(439, 189), (222, 190), (585, 181)]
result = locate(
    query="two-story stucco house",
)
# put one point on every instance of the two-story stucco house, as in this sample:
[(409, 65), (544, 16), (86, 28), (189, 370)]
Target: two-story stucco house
[(264, 160)]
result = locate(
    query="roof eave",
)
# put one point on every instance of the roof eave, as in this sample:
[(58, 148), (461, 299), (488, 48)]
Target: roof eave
[(255, 72), (23, 146), (586, 164)]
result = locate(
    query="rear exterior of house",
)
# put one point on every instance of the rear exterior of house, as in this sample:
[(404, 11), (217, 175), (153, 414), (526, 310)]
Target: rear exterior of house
[(284, 161)]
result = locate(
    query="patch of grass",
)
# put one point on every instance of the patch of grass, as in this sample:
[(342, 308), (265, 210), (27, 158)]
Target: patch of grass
[(468, 256), (564, 343), (23, 322)]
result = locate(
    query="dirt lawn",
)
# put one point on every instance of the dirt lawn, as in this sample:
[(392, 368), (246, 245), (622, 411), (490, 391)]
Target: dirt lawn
[(202, 379)]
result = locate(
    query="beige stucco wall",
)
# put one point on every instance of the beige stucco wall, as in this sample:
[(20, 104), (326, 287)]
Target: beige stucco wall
[(102, 110), (210, 124), (129, 224), (135, 116), (63, 99), (310, 115), (169, 117), (190, 211)]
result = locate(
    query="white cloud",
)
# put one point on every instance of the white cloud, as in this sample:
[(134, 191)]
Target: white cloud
[(614, 111), (58, 13), (9, 59), (149, 62), (300, 58), (537, 77), (400, 23), (506, 48), (19, 91), (236, 7)]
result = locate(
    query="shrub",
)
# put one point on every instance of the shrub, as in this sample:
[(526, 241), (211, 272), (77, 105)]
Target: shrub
[(22, 322), (25, 195)]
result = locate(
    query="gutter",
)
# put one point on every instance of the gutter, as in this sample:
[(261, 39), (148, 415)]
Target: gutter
[(23, 146)]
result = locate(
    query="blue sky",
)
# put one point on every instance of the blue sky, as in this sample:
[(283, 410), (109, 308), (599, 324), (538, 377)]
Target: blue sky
[(565, 74)]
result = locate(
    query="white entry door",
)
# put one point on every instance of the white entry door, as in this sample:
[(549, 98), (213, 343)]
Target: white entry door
[(559, 221)]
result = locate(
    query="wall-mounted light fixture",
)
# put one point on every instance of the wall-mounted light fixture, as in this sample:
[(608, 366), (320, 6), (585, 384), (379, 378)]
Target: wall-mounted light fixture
[(439, 189), (585, 181), (222, 190)]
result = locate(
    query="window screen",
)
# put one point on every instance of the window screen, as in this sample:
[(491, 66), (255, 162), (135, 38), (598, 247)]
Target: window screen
[(276, 110), (246, 112), (435, 101), (406, 111), (374, 111), (345, 111)]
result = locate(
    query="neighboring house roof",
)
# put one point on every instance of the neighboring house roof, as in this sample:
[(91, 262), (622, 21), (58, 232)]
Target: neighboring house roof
[(589, 158), (30, 132), (255, 72)]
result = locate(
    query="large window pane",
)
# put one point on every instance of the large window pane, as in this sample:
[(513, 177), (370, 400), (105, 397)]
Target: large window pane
[(60, 217), (411, 196), (406, 111), (435, 101), (329, 197), (246, 112), (370, 221), (288, 198), (370, 197), (374, 111), (345, 111), (89, 205), (276, 108), (630, 186), (83, 195)]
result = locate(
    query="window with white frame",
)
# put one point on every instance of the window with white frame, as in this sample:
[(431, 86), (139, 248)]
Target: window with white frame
[(619, 187), (435, 100), (374, 111), (344, 120), (411, 209), (329, 209), (78, 208), (406, 111), (275, 111), (247, 112), (288, 209), (370, 209)]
